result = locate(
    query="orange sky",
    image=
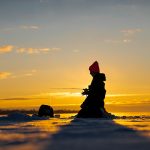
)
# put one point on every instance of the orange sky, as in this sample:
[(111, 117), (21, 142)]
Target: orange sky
[(52, 44)]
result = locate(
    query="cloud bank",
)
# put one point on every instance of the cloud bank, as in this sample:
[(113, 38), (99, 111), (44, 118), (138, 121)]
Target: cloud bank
[(30, 50), (131, 32), (127, 36), (36, 50), (33, 27)]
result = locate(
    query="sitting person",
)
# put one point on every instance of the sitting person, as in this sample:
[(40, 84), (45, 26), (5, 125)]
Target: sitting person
[(93, 106)]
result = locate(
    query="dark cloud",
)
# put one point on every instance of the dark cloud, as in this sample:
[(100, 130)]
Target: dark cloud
[(20, 98)]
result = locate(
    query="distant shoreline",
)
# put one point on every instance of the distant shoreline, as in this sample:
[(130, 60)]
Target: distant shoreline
[(33, 111)]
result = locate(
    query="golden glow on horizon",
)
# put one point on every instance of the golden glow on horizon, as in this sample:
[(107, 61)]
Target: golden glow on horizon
[(78, 94), (73, 99)]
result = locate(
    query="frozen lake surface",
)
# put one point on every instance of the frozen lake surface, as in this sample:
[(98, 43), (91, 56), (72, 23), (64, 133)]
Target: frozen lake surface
[(65, 132)]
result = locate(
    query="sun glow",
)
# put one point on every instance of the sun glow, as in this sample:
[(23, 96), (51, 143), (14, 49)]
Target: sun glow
[(72, 99)]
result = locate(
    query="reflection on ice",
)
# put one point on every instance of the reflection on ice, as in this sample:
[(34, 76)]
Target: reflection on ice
[(142, 125)]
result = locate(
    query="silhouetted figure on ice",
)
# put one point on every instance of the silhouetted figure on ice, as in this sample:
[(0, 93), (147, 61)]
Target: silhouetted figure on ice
[(93, 106)]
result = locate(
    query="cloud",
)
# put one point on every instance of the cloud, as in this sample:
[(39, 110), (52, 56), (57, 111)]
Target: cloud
[(131, 32), (22, 27), (21, 98), (127, 36), (127, 40), (24, 74), (63, 94), (27, 50), (30, 50), (119, 41), (54, 49), (6, 48), (32, 27), (30, 73), (36, 50), (4, 75)]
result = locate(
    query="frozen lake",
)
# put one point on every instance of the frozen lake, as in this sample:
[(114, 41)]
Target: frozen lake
[(64, 132)]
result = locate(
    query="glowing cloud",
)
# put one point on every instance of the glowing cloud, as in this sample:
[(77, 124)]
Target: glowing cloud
[(33, 27), (6, 48), (131, 32), (60, 94), (124, 41), (36, 50), (4, 75), (127, 36), (24, 74), (31, 73)]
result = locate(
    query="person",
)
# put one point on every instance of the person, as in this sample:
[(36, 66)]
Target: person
[(93, 106)]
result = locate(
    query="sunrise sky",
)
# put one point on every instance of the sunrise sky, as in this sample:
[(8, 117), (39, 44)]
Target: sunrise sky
[(46, 47)]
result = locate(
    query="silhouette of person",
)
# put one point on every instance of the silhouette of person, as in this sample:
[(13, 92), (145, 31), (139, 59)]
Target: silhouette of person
[(93, 106)]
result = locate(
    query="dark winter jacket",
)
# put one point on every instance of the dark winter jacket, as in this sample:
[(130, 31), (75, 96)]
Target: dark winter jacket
[(96, 92)]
